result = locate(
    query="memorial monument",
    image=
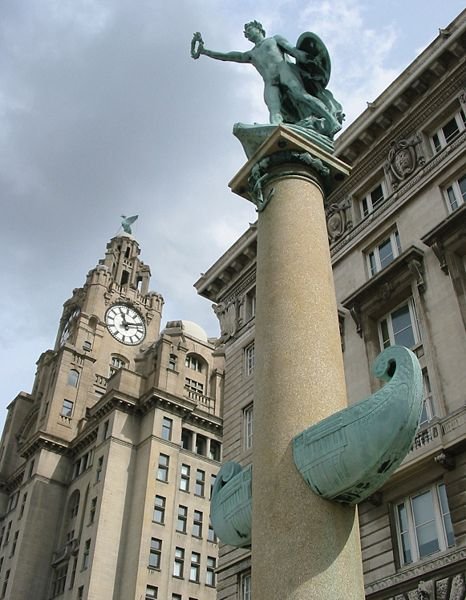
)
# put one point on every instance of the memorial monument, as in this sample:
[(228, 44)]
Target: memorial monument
[(314, 458)]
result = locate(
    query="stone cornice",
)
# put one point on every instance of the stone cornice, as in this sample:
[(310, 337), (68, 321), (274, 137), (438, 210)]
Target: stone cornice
[(401, 267), (46, 441), (442, 56), (220, 276), (188, 409), (418, 570), (448, 236), (376, 153)]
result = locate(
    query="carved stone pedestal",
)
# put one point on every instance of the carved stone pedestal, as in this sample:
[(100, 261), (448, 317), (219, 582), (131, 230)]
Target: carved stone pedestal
[(303, 547)]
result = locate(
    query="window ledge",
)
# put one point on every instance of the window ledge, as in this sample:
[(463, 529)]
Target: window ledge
[(394, 277), (448, 236)]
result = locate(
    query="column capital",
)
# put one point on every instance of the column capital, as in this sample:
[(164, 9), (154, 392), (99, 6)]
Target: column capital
[(287, 147)]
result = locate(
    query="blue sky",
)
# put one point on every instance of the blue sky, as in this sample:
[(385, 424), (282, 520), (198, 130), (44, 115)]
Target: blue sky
[(103, 112)]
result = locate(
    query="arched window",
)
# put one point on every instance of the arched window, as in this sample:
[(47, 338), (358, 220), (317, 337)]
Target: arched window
[(195, 375), (195, 362), (74, 504), (73, 377)]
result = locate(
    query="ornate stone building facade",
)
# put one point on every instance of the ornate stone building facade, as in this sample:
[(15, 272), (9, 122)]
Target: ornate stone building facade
[(397, 233), (106, 466)]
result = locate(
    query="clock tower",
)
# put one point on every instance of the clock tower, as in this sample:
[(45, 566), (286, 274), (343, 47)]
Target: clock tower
[(90, 460), (105, 325)]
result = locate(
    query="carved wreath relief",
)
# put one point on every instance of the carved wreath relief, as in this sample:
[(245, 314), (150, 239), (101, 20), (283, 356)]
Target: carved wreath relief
[(338, 221), (404, 157)]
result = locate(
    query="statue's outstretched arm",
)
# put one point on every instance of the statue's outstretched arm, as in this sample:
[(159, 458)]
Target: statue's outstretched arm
[(197, 48), (239, 57)]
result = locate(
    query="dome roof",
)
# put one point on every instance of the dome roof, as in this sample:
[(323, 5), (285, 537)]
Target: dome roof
[(189, 328), (194, 330)]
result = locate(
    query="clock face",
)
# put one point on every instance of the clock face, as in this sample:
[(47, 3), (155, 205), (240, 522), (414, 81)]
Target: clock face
[(68, 328), (125, 324)]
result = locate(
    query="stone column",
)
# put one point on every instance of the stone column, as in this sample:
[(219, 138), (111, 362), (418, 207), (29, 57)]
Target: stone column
[(303, 547)]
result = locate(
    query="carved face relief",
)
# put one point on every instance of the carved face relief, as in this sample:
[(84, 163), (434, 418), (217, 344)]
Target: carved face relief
[(402, 159)]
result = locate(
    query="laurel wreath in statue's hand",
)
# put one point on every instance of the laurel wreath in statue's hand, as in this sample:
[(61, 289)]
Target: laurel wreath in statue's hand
[(197, 45)]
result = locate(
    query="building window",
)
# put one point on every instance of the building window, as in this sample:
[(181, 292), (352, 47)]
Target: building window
[(81, 592), (59, 580), (7, 536), (215, 450), (211, 537), (383, 253), (87, 550), (176, 597), (74, 504), (178, 565), (399, 327), (245, 586), (201, 445), (151, 592), (23, 505), (12, 501), (194, 386), (193, 362), (186, 439), (73, 572), (67, 408), (159, 510), (172, 362), (92, 510), (195, 567), (83, 463), (424, 525), (155, 553), (449, 131), (15, 542), (106, 430), (116, 363), (250, 359), (167, 428), (427, 405), (197, 524), (73, 378), (455, 194), (100, 465), (373, 199), (182, 519), (199, 489), (184, 480), (250, 304), (5, 583), (248, 426), (162, 469), (210, 574)]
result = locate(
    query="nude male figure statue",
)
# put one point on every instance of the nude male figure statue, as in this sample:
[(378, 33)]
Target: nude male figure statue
[(285, 92)]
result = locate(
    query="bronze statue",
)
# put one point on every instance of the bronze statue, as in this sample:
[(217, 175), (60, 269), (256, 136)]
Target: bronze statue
[(294, 92)]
